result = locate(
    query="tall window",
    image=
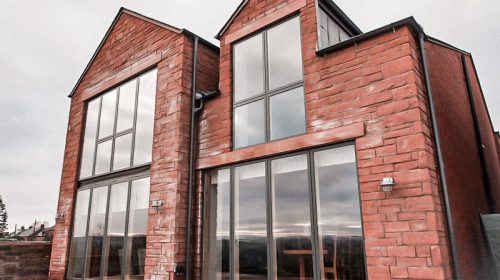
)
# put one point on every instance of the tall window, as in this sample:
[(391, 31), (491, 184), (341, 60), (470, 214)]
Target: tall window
[(268, 86), (330, 32), (292, 217), (111, 212), (109, 231), (119, 128)]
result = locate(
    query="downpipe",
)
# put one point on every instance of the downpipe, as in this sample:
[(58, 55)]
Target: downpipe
[(198, 100), (439, 156)]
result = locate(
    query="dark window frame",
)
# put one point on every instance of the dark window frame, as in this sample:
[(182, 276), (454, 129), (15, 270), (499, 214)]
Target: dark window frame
[(107, 179), (322, 6), (92, 186), (267, 93), (315, 239), (114, 134)]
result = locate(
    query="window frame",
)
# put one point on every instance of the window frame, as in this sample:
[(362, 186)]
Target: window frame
[(322, 6), (91, 186), (271, 247), (115, 134), (111, 177), (267, 93)]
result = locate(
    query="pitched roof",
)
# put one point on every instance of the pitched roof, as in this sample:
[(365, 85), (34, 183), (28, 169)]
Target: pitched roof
[(145, 18), (231, 18), (28, 232), (330, 5)]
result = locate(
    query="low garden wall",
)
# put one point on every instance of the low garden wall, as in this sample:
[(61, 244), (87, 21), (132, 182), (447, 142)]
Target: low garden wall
[(24, 260)]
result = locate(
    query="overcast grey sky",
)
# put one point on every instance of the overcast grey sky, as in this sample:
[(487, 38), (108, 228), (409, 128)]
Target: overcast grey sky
[(45, 45)]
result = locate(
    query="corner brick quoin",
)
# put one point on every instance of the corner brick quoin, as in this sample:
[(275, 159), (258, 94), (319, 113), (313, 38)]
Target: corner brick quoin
[(370, 93)]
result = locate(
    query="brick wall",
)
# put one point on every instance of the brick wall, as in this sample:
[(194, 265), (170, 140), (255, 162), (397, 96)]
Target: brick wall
[(467, 195), (487, 133), (371, 92), (24, 260), (133, 46)]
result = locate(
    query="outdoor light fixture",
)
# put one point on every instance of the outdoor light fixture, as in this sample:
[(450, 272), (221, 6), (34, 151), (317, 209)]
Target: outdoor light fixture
[(59, 216), (157, 203), (387, 184)]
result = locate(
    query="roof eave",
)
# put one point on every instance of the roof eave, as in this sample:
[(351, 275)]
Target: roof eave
[(230, 20), (409, 21)]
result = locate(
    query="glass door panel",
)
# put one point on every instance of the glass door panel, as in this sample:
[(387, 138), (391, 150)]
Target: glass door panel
[(291, 218), (95, 237), (339, 217), (137, 229), (116, 230), (218, 251), (250, 232), (77, 254)]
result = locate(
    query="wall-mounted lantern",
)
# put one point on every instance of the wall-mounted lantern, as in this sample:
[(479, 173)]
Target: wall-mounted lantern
[(60, 216), (157, 203), (387, 184)]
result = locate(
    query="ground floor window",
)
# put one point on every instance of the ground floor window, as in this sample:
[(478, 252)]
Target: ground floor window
[(291, 217), (109, 230)]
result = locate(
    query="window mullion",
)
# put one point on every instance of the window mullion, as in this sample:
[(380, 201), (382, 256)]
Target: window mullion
[(125, 236), (270, 239), (96, 135), (232, 242), (105, 249), (317, 254)]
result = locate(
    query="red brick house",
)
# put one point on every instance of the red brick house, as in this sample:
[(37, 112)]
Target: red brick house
[(302, 148)]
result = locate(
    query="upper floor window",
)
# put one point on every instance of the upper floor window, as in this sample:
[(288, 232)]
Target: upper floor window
[(119, 127), (330, 32), (268, 85)]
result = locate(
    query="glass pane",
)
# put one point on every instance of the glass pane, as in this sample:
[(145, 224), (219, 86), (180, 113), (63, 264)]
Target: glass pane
[(291, 218), (137, 228), (323, 38), (77, 253), (218, 259), (107, 122), (339, 218), (96, 231), (249, 124), (288, 114), (323, 29), (250, 222), (145, 118), (89, 139), (126, 105), (285, 55), (103, 157), (248, 68), (333, 31), (123, 150), (116, 228), (343, 35)]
